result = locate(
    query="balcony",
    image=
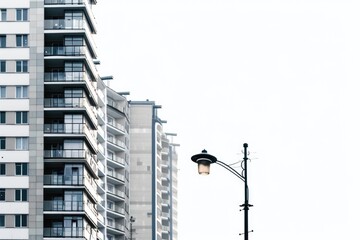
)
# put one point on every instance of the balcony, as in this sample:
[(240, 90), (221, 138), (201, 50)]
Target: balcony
[(72, 206), (80, 180), (71, 128), (69, 232), (63, 2), (65, 51), (72, 103), (72, 77), (74, 4), (77, 154)]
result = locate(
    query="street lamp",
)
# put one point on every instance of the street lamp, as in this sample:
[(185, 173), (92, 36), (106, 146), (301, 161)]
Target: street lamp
[(204, 160), (132, 220)]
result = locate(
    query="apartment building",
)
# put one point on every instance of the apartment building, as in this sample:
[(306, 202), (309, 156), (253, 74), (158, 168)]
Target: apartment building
[(153, 189), (114, 163), (64, 136)]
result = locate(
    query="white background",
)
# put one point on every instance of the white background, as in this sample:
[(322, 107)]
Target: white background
[(280, 75)]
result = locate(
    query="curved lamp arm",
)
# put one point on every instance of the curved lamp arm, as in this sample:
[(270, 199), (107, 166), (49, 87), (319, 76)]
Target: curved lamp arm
[(230, 169)]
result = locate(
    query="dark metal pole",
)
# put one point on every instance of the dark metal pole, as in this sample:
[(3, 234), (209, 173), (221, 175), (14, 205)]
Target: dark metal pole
[(246, 203)]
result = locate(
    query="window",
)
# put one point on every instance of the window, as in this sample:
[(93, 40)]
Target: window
[(110, 222), (2, 117), (21, 117), (2, 66), (2, 194), (21, 220), (21, 169), (22, 14), (2, 143), (110, 205), (21, 195), (2, 168), (22, 143), (2, 92), (22, 66), (2, 41), (2, 15), (22, 92), (2, 220), (21, 40)]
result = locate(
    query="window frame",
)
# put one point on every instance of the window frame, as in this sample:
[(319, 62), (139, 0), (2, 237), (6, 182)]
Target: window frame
[(22, 92), (2, 66), (22, 14), (21, 169), (22, 40), (21, 220), (21, 117), (2, 117), (2, 143), (22, 66), (21, 195), (22, 143)]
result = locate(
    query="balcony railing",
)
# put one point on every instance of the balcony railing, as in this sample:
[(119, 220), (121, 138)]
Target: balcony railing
[(71, 103), (70, 180), (61, 205), (73, 153), (65, 51), (64, 24), (67, 2), (71, 232), (65, 76)]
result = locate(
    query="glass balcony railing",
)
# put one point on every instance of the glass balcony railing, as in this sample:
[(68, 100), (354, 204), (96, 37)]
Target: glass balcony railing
[(71, 103), (72, 232), (72, 180), (61, 205), (72, 77), (65, 51), (73, 153), (65, 2), (65, 76)]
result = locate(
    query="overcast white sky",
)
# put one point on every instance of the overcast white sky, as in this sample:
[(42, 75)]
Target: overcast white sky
[(282, 76)]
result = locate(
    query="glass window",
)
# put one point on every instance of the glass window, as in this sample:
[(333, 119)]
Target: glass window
[(3, 15), (2, 92), (22, 66), (2, 117), (22, 143), (2, 220), (21, 220), (2, 41), (22, 92), (22, 14), (2, 194), (2, 168), (21, 169), (21, 40), (21, 117), (2, 143), (21, 195), (2, 66)]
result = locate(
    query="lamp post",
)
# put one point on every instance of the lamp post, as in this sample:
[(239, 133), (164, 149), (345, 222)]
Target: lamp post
[(132, 220), (204, 160)]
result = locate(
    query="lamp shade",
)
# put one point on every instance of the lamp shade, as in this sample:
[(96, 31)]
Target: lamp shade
[(203, 160)]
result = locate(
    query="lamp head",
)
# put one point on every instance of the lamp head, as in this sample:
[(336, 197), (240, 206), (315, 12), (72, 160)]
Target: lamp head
[(203, 160)]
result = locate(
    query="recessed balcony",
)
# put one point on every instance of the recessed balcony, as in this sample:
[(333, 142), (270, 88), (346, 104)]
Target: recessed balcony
[(74, 154), (72, 104), (73, 78)]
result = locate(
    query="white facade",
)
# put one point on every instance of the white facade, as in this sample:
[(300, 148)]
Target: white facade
[(153, 177)]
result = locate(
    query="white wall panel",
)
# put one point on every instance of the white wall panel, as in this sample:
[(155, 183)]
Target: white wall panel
[(14, 27), (14, 182), (14, 207), (14, 79), (14, 156), (14, 105), (14, 130), (15, 53), (14, 233)]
